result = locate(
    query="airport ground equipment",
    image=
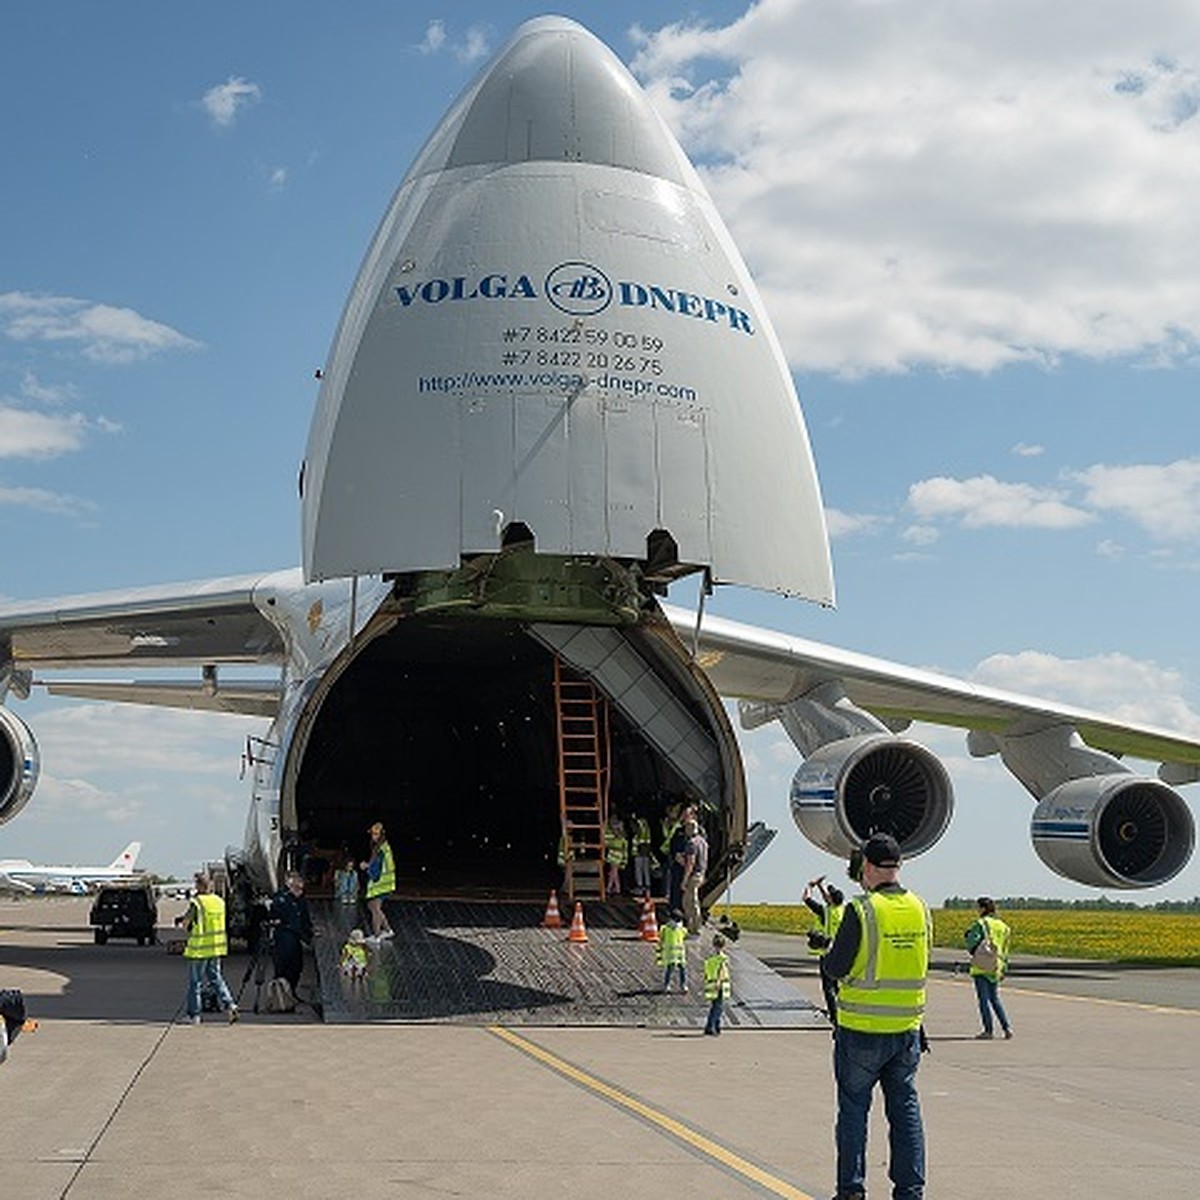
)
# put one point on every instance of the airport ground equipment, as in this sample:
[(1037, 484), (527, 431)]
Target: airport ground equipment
[(128, 910)]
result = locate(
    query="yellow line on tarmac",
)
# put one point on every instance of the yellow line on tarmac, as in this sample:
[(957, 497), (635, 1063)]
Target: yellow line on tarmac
[(697, 1141)]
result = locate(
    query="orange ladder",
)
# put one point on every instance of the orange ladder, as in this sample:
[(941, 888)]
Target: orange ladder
[(583, 777)]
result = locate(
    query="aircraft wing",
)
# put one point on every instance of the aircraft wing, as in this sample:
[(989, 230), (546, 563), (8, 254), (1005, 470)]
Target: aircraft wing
[(16, 885), (749, 663), (203, 623)]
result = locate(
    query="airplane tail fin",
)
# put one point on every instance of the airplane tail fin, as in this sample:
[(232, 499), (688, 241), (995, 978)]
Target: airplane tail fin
[(125, 860)]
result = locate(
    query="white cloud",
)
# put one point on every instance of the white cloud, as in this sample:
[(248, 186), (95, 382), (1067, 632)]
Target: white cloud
[(42, 500), (32, 388), (986, 501), (224, 101), (1024, 450), (277, 177), (962, 185), (474, 45), (1163, 498), (105, 333), (921, 535), (1114, 684), (435, 37), (25, 434), (842, 524)]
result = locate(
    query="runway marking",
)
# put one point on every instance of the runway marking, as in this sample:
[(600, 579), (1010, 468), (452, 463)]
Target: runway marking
[(1020, 990), (677, 1129)]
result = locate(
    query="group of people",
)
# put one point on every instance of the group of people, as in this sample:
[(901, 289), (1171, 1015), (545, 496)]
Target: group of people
[(874, 959), (682, 858), (288, 924), (672, 957)]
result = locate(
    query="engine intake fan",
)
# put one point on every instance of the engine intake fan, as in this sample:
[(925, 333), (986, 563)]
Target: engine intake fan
[(19, 761), (848, 789), (1114, 831)]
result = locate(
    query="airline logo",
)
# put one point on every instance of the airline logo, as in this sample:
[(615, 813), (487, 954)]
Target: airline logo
[(578, 289)]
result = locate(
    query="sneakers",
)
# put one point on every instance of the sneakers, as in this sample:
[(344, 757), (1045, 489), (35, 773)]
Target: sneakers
[(985, 1036), (194, 1020), (233, 1013), (1008, 1035)]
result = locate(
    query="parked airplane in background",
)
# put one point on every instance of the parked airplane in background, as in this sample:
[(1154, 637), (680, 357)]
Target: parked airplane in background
[(553, 393), (23, 876)]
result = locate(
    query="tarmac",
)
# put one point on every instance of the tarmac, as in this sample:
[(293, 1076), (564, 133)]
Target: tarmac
[(1097, 1096)]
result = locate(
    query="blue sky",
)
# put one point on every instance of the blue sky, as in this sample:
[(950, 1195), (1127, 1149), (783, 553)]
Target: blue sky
[(974, 226)]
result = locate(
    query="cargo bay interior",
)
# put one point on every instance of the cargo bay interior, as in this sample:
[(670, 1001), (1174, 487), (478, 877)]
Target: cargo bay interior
[(445, 729)]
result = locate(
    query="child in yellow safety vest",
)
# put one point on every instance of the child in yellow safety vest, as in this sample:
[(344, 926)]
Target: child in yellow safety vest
[(716, 984), (672, 950), (353, 965)]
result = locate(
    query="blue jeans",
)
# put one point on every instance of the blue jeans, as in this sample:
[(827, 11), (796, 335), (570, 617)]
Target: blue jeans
[(682, 976), (715, 1009), (200, 969), (987, 991), (860, 1060)]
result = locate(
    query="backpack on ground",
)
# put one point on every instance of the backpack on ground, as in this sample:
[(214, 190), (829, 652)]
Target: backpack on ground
[(279, 997)]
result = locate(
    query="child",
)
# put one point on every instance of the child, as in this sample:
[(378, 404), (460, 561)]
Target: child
[(672, 950), (716, 984), (345, 884), (354, 958)]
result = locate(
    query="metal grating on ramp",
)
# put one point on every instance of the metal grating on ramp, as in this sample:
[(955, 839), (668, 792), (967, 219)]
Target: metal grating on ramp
[(479, 962)]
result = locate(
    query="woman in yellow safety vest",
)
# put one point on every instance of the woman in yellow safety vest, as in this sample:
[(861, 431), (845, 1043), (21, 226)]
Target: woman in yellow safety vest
[(381, 880), (987, 942)]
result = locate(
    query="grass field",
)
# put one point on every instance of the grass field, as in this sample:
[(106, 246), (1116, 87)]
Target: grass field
[(1149, 937)]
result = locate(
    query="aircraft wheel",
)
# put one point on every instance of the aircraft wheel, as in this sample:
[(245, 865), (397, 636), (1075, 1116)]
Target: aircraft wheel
[(101, 937)]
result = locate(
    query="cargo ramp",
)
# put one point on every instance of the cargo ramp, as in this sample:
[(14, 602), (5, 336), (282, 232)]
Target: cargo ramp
[(479, 962)]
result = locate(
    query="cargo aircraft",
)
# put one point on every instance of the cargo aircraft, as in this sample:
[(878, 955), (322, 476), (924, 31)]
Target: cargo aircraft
[(20, 875), (553, 393)]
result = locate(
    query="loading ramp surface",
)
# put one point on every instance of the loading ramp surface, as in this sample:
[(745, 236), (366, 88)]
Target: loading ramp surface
[(482, 962)]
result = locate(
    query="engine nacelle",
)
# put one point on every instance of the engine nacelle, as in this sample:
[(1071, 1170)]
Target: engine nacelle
[(1119, 831), (848, 789), (19, 763)]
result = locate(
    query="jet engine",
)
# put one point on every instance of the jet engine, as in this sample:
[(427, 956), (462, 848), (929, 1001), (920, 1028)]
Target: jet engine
[(848, 789), (1119, 831), (18, 764)]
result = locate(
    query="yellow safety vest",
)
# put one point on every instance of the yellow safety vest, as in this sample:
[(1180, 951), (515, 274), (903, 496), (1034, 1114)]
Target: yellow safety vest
[(616, 847), (1001, 936), (354, 954), (641, 837), (716, 976), (671, 949), (386, 883), (206, 933), (885, 990)]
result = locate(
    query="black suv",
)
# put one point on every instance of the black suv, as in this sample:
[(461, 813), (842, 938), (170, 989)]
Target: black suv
[(127, 910)]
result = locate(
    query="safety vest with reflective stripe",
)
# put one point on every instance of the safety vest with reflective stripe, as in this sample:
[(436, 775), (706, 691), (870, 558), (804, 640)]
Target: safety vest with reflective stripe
[(831, 920), (386, 883), (616, 847), (1001, 936), (671, 949), (885, 990), (716, 976), (641, 837), (206, 933)]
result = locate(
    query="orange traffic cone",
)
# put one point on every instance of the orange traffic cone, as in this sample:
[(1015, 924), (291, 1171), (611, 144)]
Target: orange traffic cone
[(553, 918), (649, 925), (578, 933)]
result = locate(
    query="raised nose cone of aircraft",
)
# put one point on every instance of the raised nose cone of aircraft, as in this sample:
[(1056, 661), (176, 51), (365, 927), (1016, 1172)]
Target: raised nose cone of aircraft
[(553, 331)]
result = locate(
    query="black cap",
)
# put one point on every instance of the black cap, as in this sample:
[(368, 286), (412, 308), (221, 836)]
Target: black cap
[(882, 850)]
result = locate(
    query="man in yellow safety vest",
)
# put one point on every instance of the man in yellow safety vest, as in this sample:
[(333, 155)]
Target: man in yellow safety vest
[(206, 946), (881, 957)]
